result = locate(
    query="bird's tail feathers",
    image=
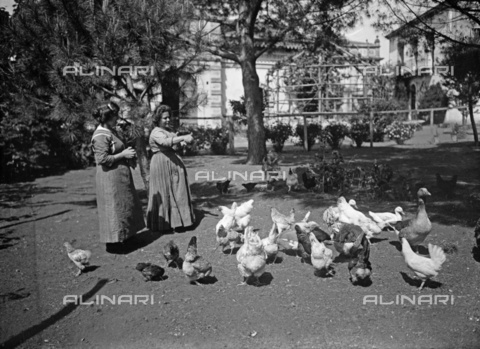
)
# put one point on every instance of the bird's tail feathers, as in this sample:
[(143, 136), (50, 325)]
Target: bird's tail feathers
[(437, 255)]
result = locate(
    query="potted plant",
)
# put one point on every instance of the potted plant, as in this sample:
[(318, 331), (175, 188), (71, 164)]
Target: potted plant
[(278, 135), (335, 133), (455, 130), (314, 132), (399, 131), (359, 131)]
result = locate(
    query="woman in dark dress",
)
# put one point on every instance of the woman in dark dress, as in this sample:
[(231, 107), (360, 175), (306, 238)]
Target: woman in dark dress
[(119, 209), (170, 201)]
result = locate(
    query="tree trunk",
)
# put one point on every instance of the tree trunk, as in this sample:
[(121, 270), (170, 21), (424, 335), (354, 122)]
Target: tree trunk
[(257, 148), (472, 119)]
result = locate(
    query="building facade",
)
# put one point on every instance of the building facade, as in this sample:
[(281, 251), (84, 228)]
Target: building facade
[(419, 58), (221, 82)]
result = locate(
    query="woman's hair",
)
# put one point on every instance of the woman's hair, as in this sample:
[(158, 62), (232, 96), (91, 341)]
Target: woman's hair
[(106, 112), (157, 114)]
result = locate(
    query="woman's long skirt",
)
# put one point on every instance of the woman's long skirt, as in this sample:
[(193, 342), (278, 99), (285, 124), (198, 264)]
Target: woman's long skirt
[(119, 208), (170, 200)]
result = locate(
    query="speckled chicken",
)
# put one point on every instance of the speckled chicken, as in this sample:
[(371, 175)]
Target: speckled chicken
[(292, 180), (228, 237), (321, 256), (253, 264), (171, 253), (81, 258), (253, 247), (194, 266), (150, 272)]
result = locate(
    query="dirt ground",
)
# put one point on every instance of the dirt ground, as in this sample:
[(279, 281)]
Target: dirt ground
[(296, 309)]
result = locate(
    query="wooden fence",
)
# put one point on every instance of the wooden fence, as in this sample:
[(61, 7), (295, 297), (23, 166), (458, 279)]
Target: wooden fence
[(308, 115)]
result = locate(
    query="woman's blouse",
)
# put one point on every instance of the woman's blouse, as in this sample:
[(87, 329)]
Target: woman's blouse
[(105, 145), (161, 140)]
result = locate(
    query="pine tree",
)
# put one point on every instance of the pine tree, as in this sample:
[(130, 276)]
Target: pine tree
[(49, 36)]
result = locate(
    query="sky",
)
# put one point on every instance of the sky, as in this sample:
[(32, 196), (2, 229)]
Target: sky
[(361, 32)]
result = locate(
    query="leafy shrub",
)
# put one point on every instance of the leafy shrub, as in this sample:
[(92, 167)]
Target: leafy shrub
[(335, 132), (381, 121), (218, 140), (314, 132), (278, 134), (359, 131), (400, 132), (204, 137)]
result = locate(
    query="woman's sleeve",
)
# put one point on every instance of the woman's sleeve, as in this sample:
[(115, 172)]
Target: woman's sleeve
[(162, 139), (102, 150)]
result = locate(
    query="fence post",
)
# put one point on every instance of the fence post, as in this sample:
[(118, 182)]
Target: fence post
[(371, 129), (431, 121), (305, 132)]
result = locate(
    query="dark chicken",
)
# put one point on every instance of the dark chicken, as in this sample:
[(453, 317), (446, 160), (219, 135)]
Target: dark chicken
[(309, 180), (352, 242), (249, 186), (171, 253), (222, 186), (304, 242), (151, 272), (447, 187)]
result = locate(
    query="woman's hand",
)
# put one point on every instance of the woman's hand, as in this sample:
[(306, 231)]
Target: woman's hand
[(188, 138), (128, 153)]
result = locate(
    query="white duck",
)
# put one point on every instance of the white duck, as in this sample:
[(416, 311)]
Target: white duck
[(351, 216), (423, 267), (331, 214), (387, 217)]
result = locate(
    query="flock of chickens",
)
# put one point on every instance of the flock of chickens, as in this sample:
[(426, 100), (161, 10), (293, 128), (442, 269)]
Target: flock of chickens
[(350, 235)]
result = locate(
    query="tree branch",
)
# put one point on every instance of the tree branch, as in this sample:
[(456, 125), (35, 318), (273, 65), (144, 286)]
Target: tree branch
[(213, 50), (253, 17)]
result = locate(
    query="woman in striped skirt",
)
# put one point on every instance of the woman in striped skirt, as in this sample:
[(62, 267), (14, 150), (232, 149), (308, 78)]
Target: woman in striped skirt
[(119, 209), (170, 201)]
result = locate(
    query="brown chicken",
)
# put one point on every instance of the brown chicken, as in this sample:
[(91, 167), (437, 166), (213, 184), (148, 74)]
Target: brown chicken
[(228, 237), (195, 267)]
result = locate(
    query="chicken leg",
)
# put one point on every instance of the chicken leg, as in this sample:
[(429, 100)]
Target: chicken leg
[(245, 279), (421, 286), (257, 282)]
